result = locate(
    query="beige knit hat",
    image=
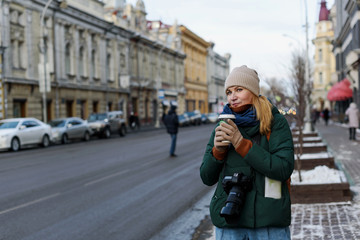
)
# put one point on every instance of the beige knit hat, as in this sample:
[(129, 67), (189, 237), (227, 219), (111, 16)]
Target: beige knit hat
[(244, 77)]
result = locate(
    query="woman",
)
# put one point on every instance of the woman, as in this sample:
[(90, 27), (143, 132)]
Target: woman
[(261, 155), (353, 114)]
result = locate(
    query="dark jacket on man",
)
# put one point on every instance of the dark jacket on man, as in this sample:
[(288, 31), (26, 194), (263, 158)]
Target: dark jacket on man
[(171, 121)]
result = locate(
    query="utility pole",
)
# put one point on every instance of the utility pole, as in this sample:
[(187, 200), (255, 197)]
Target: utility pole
[(2, 50), (307, 90), (158, 86)]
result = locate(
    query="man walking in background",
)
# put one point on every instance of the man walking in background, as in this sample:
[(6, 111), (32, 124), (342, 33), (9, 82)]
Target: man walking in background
[(172, 124)]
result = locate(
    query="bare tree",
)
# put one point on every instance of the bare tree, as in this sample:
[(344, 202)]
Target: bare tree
[(278, 93), (301, 91)]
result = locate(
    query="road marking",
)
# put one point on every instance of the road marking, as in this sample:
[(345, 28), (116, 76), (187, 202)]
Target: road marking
[(29, 203), (104, 178)]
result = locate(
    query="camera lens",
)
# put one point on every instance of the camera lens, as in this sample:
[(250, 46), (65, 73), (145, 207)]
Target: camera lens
[(236, 186)]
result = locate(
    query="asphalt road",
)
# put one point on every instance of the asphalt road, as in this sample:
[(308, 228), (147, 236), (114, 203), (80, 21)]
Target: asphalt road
[(119, 188)]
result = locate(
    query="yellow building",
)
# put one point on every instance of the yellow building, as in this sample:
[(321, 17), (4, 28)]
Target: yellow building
[(324, 66), (195, 49)]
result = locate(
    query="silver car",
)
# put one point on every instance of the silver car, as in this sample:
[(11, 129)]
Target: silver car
[(104, 124), (65, 129), (18, 132)]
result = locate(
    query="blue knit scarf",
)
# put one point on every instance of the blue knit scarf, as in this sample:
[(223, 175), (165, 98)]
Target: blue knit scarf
[(245, 118)]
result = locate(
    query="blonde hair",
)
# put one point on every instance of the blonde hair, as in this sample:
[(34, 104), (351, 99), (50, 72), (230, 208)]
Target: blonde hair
[(263, 113)]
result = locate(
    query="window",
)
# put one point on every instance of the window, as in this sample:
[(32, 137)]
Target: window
[(109, 106), (95, 106), (29, 124), (93, 63), (108, 66), (69, 108), (19, 108), (81, 61), (74, 122), (68, 58), (321, 78), (14, 54), (320, 55)]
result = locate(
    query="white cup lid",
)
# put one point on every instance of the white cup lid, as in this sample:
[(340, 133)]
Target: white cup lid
[(227, 116)]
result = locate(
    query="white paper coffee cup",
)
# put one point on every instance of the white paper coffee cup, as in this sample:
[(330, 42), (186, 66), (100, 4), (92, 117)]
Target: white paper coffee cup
[(224, 118)]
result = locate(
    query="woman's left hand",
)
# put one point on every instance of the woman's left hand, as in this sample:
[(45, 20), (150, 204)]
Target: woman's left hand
[(232, 133)]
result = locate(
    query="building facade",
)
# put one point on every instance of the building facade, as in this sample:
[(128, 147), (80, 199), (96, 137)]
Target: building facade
[(347, 47), (61, 58), (89, 57), (78, 59), (324, 60), (218, 68), (196, 86), (156, 67)]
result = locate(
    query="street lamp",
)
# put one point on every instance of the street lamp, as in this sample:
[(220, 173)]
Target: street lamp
[(158, 86), (307, 87), (44, 86), (158, 79)]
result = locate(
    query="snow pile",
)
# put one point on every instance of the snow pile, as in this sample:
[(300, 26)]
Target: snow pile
[(318, 175)]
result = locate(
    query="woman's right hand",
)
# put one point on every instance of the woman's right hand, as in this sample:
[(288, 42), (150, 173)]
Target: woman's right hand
[(219, 137)]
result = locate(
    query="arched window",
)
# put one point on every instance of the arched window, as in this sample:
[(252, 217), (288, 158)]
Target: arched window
[(321, 81), (320, 55)]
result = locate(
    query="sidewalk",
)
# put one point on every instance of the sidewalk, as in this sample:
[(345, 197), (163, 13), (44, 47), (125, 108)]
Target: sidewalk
[(322, 221)]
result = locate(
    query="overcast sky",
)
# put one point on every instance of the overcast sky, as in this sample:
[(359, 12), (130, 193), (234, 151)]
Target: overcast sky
[(252, 31)]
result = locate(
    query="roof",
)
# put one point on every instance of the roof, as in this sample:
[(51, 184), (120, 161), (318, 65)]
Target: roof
[(324, 12)]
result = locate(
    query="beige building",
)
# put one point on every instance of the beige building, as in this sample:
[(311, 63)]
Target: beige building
[(77, 58), (96, 58), (195, 49), (156, 66), (324, 64)]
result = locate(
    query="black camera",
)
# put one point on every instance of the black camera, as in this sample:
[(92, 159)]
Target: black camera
[(236, 187)]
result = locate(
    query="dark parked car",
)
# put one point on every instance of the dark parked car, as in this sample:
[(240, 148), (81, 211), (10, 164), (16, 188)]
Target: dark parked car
[(204, 118), (65, 129), (195, 117), (104, 124), (183, 120)]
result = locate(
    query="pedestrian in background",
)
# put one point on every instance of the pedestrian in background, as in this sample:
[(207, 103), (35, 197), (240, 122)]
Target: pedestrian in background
[(353, 114), (260, 156), (326, 115), (134, 121), (313, 116), (171, 122)]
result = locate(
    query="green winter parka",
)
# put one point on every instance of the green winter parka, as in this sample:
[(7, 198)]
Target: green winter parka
[(273, 158)]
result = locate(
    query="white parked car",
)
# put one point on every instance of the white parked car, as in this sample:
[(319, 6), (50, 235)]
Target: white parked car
[(18, 132)]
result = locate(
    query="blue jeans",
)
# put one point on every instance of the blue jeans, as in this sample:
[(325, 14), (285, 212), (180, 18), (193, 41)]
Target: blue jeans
[(173, 143), (265, 233)]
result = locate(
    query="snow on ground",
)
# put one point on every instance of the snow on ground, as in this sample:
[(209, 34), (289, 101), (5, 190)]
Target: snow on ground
[(320, 144), (308, 139), (318, 155), (318, 175)]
